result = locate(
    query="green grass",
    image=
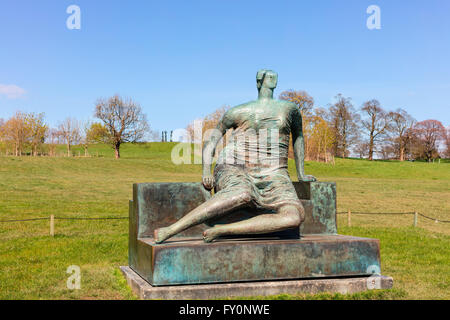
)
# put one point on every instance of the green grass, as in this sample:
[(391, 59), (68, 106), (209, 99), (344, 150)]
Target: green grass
[(33, 265)]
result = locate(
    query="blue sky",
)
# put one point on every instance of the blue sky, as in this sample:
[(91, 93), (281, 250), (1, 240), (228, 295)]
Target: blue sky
[(183, 59)]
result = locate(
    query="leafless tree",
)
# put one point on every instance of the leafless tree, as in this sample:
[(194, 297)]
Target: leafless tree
[(377, 123), (301, 98), (343, 120), (386, 151), (53, 137), (124, 120), (69, 130), (84, 136), (361, 148), (401, 121), (428, 133), (447, 143)]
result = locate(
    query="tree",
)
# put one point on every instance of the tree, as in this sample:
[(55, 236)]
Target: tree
[(305, 104), (361, 148), (124, 120), (447, 143), (37, 130), (97, 133), (16, 132), (69, 130), (301, 98), (401, 121), (321, 139), (428, 133), (343, 120), (52, 138), (377, 123)]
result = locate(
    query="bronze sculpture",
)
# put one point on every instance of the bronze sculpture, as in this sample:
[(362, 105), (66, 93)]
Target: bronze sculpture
[(258, 180)]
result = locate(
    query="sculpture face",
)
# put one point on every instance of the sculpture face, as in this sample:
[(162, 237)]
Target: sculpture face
[(266, 78)]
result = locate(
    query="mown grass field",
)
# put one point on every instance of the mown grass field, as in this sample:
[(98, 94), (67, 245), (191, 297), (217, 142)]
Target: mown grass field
[(33, 264)]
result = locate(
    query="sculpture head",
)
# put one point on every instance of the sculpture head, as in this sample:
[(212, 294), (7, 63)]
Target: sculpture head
[(267, 79)]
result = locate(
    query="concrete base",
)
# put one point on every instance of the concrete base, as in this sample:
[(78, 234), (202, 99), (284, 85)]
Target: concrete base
[(244, 289)]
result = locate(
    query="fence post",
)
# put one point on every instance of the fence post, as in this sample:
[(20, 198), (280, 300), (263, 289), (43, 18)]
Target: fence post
[(415, 219), (349, 218), (52, 225)]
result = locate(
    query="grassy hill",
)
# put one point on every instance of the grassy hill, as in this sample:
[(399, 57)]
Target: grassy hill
[(33, 265)]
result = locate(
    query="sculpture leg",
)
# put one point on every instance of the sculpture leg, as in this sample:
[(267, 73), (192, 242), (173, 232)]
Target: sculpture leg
[(220, 204), (287, 216)]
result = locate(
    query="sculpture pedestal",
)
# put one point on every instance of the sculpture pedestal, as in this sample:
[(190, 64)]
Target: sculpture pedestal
[(145, 291), (310, 259), (191, 261)]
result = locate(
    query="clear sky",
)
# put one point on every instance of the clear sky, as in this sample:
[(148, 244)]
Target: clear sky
[(183, 59)]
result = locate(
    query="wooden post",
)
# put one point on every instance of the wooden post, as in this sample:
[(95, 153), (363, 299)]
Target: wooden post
[(349, 218), (52, 225), (415, 219)]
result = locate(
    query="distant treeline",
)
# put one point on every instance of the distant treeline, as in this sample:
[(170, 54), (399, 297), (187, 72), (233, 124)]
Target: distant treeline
[(338, 130), (341, 130)]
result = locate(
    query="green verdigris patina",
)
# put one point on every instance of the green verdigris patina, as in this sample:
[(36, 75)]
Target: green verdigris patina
[(318, 253), (265, 226), (252, 170)]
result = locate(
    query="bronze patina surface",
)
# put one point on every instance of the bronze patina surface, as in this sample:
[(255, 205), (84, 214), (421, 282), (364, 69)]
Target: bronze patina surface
[(252, 170), (257, 225), (191, 261)]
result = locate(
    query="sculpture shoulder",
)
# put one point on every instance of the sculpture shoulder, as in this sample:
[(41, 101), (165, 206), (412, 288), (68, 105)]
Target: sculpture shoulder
[(236, 112), (289, 108)]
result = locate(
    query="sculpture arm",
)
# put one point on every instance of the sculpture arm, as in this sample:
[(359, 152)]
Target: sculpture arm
[(299, 145), (209, 149)]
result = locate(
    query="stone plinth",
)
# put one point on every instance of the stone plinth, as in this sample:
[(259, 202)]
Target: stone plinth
[(247, 289), (191, 261)]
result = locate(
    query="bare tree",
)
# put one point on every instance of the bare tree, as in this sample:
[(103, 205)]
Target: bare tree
[(428, 133), (52, 138), (124, 120), (377, 123), (387, 151), (69, 130), (361, 148), (401, 121), (447, 143), (84, 136), (343, 120), (301, 98)]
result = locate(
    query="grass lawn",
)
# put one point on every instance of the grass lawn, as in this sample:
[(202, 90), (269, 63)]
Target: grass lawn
[(33, 265)]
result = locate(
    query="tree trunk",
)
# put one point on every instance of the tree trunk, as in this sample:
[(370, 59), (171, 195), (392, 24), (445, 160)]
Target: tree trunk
[(68, 149), (117, 150), (402, 153), (371, 148)]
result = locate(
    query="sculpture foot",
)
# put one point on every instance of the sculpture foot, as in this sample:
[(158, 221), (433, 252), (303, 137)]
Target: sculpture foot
[(161, 235), (210, 235)]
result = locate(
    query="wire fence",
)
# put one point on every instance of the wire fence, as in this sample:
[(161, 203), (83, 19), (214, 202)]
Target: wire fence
[(126, 218), (397, 213), (416, 215), (66, 218)]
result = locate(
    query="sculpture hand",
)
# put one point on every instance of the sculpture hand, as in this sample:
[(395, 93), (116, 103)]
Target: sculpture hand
[(307, 178), (208, 182)]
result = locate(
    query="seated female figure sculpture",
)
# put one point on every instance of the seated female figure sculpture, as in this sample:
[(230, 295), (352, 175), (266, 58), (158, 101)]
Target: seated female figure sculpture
[(249, 171)]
